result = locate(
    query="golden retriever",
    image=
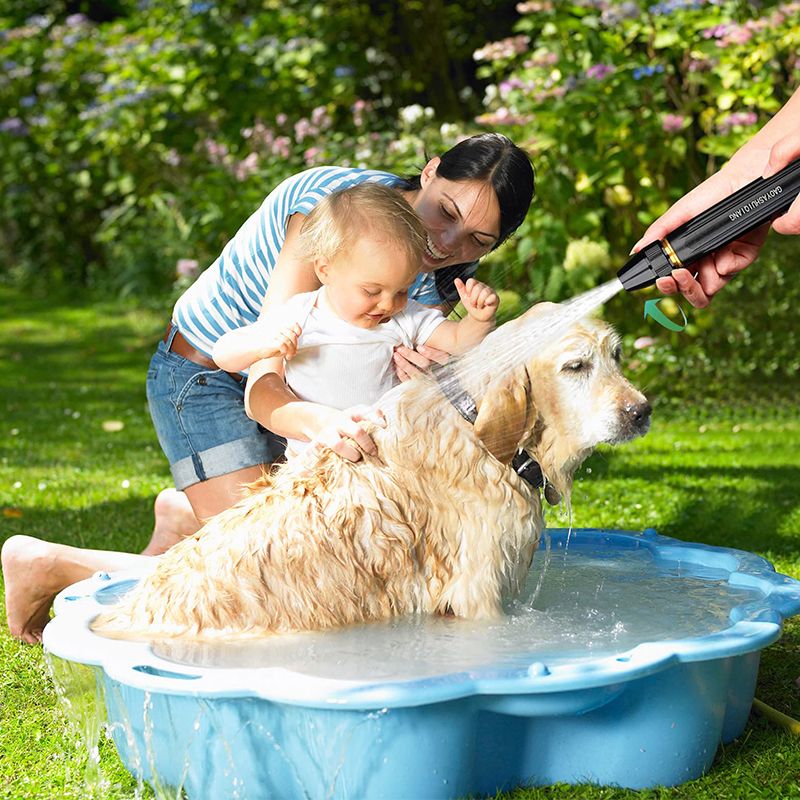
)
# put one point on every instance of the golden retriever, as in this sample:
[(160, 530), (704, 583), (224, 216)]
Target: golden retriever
[(437, 523)]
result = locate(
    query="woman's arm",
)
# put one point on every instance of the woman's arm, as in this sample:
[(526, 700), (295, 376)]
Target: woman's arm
[(291, 275)]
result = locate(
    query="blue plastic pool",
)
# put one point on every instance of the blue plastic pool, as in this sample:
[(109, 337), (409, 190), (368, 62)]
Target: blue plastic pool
[(595, 676)]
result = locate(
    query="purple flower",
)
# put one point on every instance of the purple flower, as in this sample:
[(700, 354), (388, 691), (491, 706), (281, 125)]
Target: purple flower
[(13, 125), (599, 71), (738, 119), (672, 123)]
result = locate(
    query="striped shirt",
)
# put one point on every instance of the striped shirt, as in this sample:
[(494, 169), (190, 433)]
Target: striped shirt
[(230, 293)]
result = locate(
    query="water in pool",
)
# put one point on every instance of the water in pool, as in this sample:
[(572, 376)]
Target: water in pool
[(587, 605)]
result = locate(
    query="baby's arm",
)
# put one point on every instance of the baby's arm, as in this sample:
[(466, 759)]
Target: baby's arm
[(241, 348), (481, 303)]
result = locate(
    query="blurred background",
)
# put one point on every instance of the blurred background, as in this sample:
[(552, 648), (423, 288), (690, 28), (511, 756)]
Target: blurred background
[(136, 136)]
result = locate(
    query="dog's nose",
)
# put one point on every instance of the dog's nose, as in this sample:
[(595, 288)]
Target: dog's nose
[(639, 413)]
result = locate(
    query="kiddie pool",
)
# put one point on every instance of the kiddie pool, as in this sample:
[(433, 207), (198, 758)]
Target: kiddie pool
[(601, 678)]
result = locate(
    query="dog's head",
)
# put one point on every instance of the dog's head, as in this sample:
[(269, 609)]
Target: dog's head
[(562, 402)]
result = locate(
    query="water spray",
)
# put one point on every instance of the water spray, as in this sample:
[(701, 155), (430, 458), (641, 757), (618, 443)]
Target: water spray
[(745, 210)]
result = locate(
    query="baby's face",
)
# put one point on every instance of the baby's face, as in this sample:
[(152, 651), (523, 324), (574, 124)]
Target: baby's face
[(369, 284)]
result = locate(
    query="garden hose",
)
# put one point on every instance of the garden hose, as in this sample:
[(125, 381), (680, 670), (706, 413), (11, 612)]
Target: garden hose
[(760, 201), (773, 715)]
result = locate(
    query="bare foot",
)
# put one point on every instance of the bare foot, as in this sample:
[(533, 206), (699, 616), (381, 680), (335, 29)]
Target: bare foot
[(32, 579), (175, 520)]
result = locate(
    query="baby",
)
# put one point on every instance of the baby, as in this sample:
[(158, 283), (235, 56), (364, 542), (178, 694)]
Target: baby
[(366, 245)]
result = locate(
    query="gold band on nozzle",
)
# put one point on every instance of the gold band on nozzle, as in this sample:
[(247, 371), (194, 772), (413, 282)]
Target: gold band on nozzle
[(671, 254)]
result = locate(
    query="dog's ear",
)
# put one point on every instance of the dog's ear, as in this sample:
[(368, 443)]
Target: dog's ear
[(504, 415)]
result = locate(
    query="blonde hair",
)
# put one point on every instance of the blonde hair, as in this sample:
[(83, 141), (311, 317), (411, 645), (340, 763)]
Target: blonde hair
[(367, 209)]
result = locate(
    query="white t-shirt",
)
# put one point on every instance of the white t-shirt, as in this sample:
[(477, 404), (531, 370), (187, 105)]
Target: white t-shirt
[(341, 365), (230, 293)]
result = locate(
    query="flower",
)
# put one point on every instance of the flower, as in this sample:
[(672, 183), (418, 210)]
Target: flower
[(186, 267), (359, 107), (672, 123), (739, 119), (643, 342), (669, 6), (280, 147), (615, 14), (302, 129), (217, 152), (320, 117), (505, 48), (534, 7), (586, 253), (541, 58), (246, 166), (647, 71), (13, 125), (599, 71)]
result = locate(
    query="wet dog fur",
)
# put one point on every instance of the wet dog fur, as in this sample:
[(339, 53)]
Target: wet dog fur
[(436, 523)]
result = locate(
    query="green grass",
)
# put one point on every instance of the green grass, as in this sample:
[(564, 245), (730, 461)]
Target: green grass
[(724, 476)]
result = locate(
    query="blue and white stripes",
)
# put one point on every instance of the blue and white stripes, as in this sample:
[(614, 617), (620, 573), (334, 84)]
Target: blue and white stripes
[(230, 293)]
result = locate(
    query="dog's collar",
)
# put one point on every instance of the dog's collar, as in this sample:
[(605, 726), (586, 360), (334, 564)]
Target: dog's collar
[(524, 464)]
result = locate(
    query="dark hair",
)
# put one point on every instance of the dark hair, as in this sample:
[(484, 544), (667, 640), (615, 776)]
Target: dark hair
[(488, 157), (494, 158)]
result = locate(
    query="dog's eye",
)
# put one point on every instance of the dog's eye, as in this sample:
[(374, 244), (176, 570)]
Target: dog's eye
[(574, 366), (617, 354)]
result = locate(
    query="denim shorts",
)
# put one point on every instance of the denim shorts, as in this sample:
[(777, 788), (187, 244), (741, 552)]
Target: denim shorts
[(200, 420)]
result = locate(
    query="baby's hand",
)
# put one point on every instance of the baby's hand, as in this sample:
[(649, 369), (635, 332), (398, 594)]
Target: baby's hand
[(281, 343), (480, 300)]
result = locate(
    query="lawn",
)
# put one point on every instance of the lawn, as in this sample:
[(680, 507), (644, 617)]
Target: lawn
[(80, 464)]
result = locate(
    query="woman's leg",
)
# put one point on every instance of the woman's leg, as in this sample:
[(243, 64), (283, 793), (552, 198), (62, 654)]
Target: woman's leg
[(175, 520), (35, 571), (211, 445), (216, 494)]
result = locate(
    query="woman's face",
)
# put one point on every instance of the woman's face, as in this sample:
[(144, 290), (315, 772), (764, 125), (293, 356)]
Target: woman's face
[(462, 218)]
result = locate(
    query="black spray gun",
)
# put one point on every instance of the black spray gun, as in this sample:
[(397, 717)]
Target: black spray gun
[(760, 201)]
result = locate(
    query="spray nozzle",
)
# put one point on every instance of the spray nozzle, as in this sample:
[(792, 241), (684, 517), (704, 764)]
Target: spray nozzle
[(644, 267), (753, 205)]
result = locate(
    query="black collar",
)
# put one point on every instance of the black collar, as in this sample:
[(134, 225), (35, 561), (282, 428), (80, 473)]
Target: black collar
[(523, 463)]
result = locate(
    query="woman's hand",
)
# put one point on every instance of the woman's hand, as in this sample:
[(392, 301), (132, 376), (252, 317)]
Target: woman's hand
[(344, 432), (410, 363), (702, 280)]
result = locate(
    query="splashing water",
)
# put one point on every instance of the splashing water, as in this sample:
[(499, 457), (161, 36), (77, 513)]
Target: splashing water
[(513, 344)]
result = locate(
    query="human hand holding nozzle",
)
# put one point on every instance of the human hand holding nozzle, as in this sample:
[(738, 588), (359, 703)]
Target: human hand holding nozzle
[(717, 229)]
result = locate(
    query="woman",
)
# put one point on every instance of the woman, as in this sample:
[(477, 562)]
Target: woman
[(217, 429)]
